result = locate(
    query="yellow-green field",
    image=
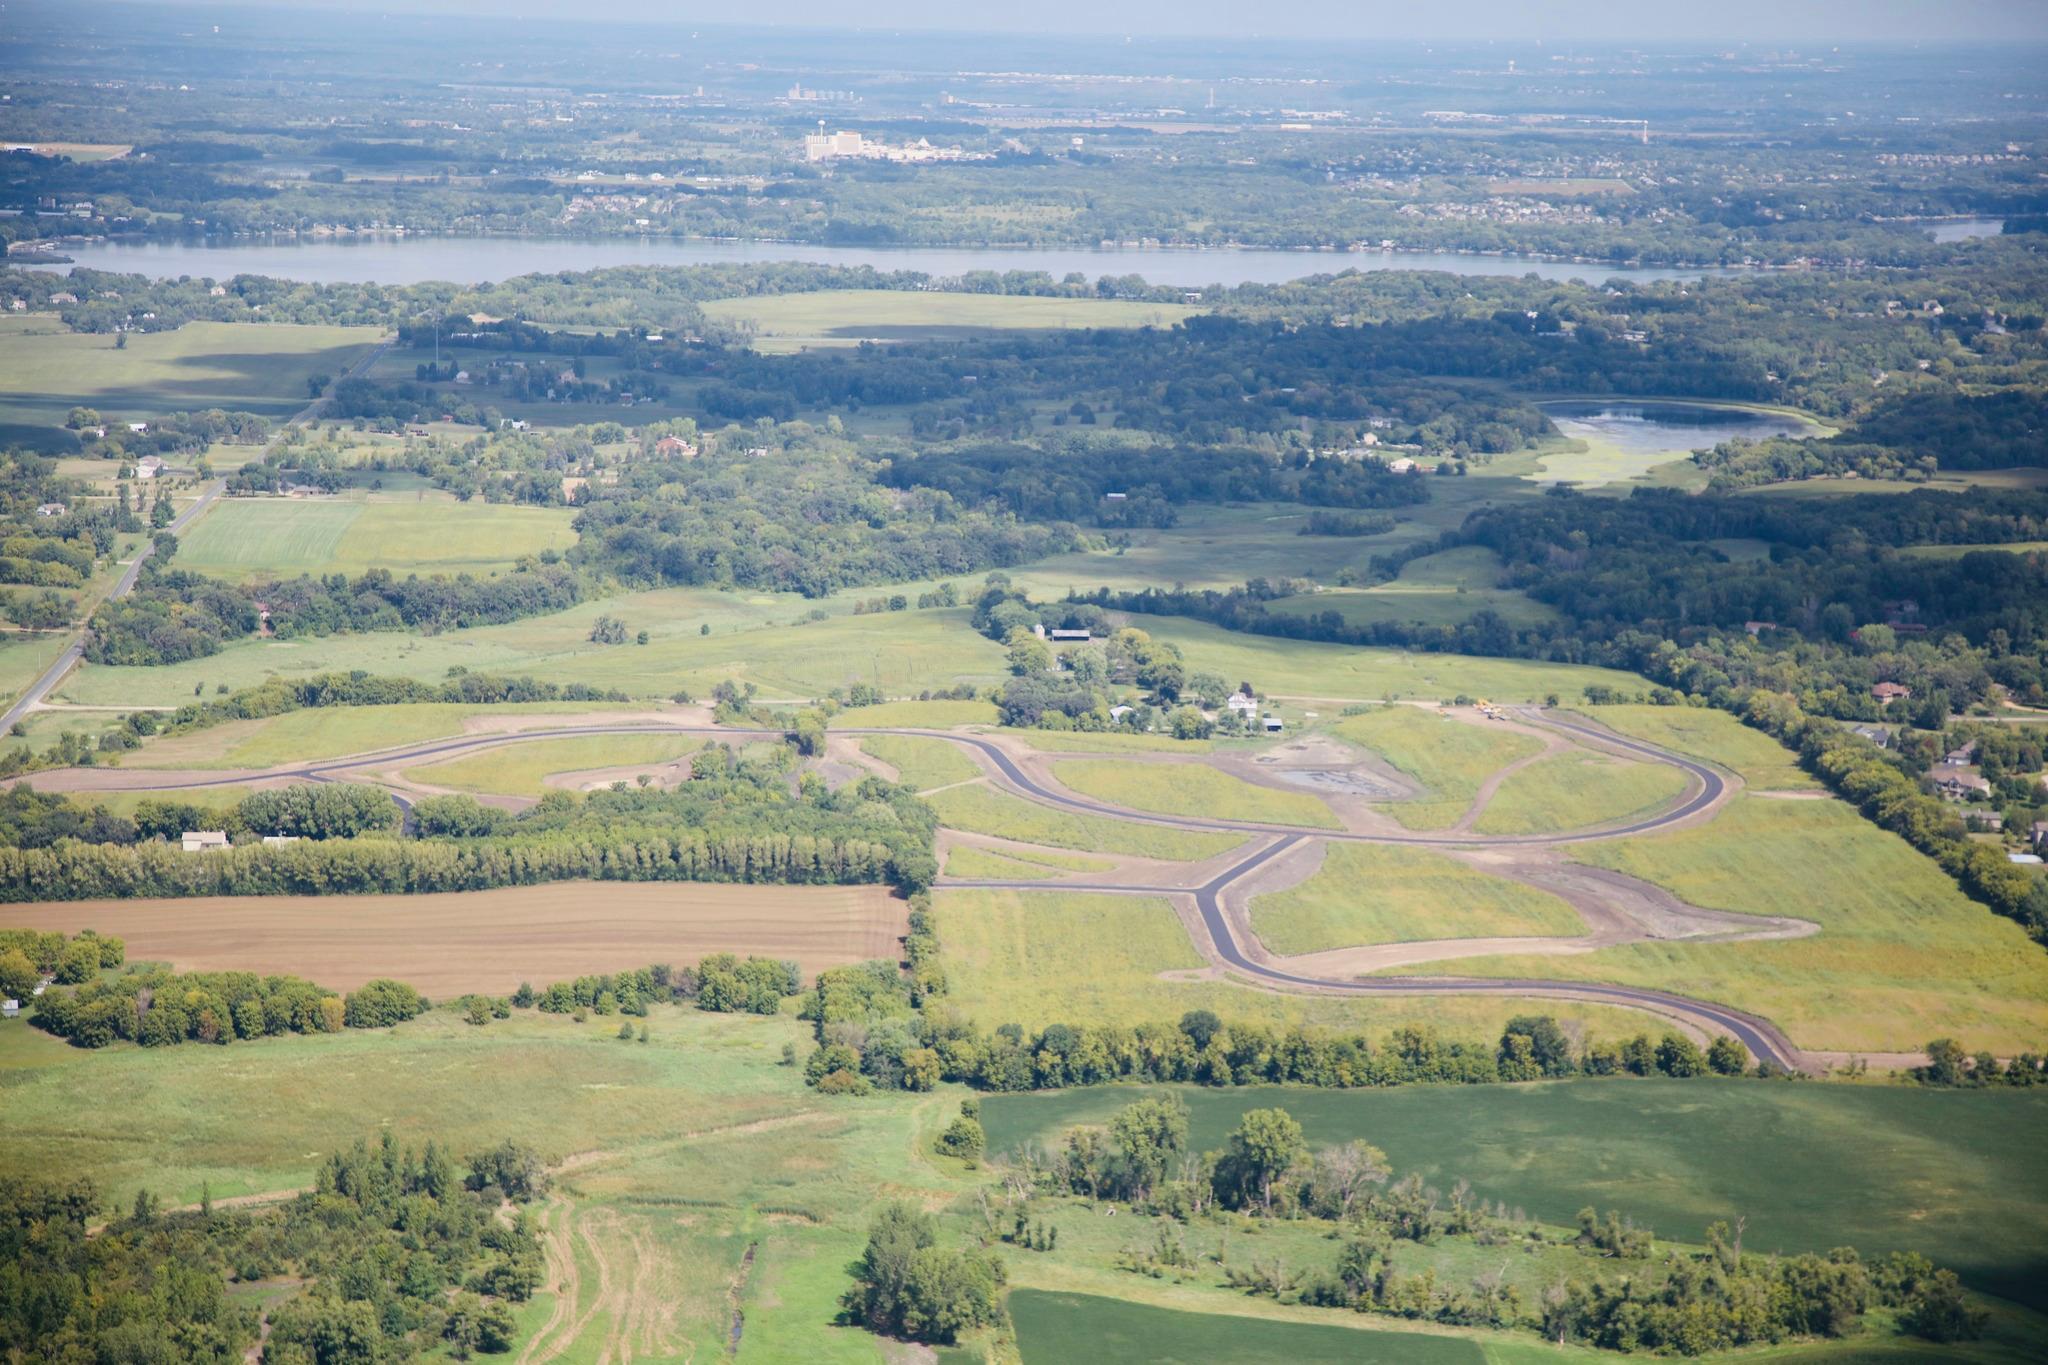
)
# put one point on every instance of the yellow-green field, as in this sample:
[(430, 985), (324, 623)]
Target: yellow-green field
[(522, 769), (759, 638), (923, 763), (1715, 736), (328, 732), (1190, 789), (1366, 893), (1042, 957), (980, 809), (1448, 758), (1106, 742), (986, 864), (845, 317), (930, 715), (1443, 588), (256, 367), (1578, 790), (1902, 957), (246, 538)]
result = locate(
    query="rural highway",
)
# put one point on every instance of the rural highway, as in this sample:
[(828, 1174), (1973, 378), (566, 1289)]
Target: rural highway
[(1765, 1041), (74, 651)]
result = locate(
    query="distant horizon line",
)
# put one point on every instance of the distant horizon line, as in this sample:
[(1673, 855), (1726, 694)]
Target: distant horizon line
[(592, 14)]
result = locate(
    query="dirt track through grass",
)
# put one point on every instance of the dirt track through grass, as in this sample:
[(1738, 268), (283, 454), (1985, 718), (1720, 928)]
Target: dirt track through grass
[(449, 944)]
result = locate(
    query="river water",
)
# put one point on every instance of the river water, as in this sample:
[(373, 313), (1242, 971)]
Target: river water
[(474, 260)]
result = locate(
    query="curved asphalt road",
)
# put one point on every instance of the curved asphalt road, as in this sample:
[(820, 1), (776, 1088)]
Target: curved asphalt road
[(1763, 1039)]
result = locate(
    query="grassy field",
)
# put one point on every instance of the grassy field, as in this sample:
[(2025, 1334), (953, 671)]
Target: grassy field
[(1368, 893), (923, 763), (973, 860), (931, 715), (256, 367), (1902, 956), (1578, 791), (331, 732), (673, 1183), (1715, 736), (1338, 673), (247, 538), (1875, 1167), (523, 769), (759, 638), (1106, 742), (1440, 589), (1448, 758), (1055, 1327), (1040, 957), (1190, 789), (981, 809), (844, 317), (490, 941)]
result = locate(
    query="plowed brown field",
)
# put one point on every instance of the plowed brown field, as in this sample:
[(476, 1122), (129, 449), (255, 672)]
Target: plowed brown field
[(490, 941)]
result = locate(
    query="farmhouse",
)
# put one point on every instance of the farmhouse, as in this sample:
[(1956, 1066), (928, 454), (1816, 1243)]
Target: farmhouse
[(1242, 703), (1957, 786), (203, 840), (149, 466), (51, 509), (675, 445), (1891, 691)]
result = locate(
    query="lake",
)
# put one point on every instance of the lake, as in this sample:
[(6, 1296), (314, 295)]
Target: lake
[(1625, 439), (473, 260)]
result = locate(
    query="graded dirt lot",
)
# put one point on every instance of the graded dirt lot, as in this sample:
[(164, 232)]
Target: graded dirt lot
[(490, 941)]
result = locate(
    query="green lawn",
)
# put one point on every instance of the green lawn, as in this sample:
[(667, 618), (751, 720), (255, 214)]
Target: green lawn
[(1366, 893), (981, 809), (1448, 758), (521, 769), (1106, 742), (256, 367), (1903, 956), (1578, 790), (246, 538), (1880, 1168), (923, 763), (927, 715), (1190, 789)]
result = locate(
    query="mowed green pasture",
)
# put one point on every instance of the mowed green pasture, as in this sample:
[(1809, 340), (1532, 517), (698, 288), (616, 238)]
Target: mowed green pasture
[(754, 637), (1383, 893), (1954, 1175), (252, 538), (1447, 757), (1042, 957), (1446, 588), (1902, 955), (1190, 789), (1578, 790), (788, 322), (255, 367)]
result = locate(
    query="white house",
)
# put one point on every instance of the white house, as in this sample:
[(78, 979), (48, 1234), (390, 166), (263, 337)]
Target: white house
[(1241, 704), (149, 466), (203, 840)]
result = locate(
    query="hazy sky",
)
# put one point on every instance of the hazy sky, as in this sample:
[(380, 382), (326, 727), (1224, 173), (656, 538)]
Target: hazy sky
[(1720, 21)]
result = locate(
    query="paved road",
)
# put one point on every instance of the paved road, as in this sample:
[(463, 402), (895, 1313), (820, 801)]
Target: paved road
[(1763, 1039), (124, 585)]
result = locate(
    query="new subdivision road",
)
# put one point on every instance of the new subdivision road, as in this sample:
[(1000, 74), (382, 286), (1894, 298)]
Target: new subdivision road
[(1265, 842), (125, 584)]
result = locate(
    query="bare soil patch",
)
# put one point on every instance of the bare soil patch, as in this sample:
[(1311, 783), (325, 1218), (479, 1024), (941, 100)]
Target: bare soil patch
[(490, 941)]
